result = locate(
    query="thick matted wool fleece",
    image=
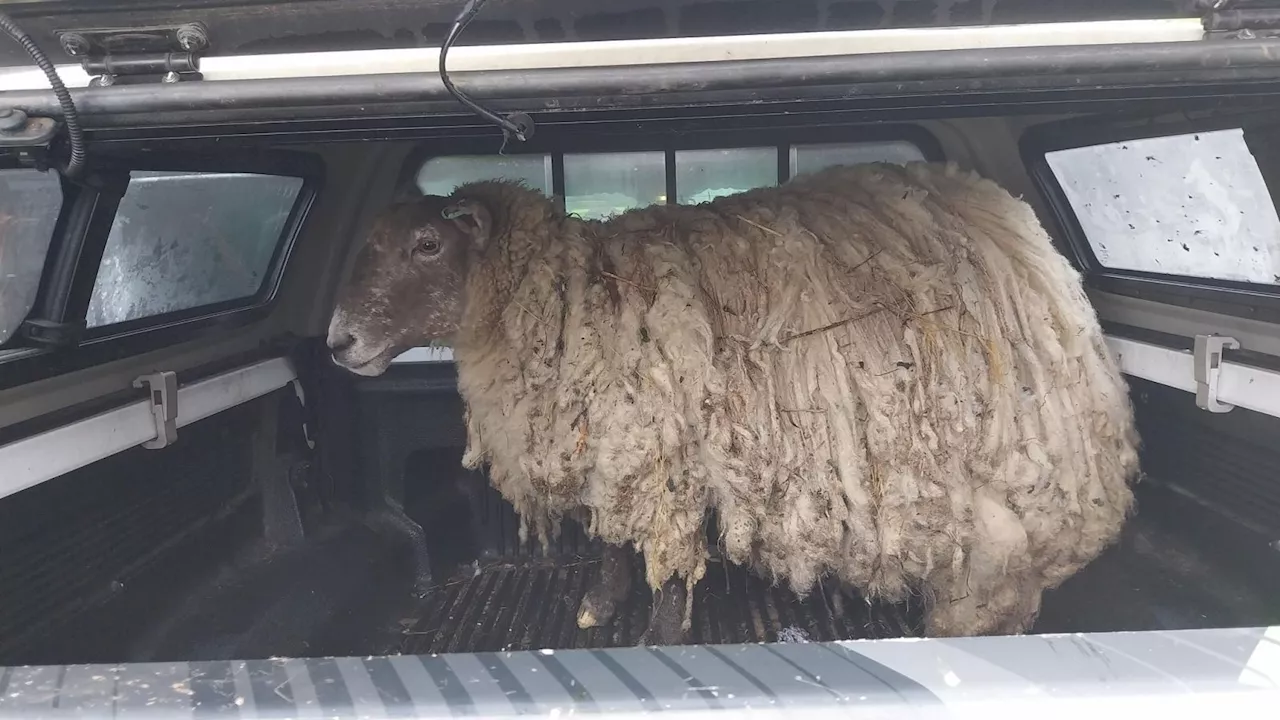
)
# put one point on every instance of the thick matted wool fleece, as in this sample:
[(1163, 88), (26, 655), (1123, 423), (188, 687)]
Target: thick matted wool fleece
[(883, 374)]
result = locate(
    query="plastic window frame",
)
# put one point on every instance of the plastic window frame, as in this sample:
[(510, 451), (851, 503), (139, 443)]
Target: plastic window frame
[(271, 278), (28, 362)]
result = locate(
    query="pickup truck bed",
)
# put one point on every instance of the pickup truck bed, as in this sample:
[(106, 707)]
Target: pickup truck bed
[(224, 592)]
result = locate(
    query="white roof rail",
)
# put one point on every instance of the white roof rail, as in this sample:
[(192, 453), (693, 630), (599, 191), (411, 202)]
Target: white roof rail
[(624, 53)]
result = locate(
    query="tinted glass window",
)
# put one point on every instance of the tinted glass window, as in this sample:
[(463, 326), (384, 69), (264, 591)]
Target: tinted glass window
[(599, 185), (1193, 204), (185, 240), (704, 175), (810, 158), (29, 205), (439, 176)]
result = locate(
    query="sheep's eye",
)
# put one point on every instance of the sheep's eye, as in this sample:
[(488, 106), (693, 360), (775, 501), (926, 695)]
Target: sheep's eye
[(428, 248)]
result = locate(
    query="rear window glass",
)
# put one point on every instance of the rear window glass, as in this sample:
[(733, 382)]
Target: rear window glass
[(439, 176), (600, 185), (704, 175), (185, 240), (1194, 205), (811, 158), (30, 202)]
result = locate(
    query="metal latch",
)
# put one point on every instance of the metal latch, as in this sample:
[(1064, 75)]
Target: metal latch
[(1208, 368), (163, 394), (165, 53)]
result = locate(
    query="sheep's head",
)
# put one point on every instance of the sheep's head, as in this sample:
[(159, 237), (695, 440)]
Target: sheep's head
[(406, 287)]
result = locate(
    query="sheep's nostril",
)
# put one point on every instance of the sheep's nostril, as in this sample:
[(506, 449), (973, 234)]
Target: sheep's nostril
[(341, 341)]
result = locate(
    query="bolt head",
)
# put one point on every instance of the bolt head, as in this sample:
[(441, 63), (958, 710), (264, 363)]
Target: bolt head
[(171, 77), (74, 44), (12, 119), (192, 37)]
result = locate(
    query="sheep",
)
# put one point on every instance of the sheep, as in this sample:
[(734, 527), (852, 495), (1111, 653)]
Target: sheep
[(885, 375)]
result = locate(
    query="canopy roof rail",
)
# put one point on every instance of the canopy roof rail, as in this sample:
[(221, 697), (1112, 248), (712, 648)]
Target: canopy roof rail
[(660, 51)]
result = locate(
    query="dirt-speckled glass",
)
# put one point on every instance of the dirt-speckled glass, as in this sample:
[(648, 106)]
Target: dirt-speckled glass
[(29, 205), (185, 240), (1193, 205)]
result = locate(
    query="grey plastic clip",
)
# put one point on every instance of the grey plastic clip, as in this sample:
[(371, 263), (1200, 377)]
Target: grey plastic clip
[(302, 400), (163, 388), (1208, 367)]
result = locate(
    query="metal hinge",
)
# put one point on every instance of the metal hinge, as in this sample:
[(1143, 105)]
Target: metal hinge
[(157, 53), (163, 394), (1240, 19), (1208, 368)]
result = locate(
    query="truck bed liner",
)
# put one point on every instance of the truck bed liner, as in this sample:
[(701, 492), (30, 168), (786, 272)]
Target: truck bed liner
[(533, 604), (346, 590)]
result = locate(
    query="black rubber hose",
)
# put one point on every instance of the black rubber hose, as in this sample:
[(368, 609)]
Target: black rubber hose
[(69, 116), (517, 125)]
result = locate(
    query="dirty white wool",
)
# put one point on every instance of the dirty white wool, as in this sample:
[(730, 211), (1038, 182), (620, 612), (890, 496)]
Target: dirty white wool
[(881, 374)]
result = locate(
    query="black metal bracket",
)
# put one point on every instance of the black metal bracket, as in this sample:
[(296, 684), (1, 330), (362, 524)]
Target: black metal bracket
[(158, 53), (51, 334), (25, 137), (17, 129), (1240, 19)]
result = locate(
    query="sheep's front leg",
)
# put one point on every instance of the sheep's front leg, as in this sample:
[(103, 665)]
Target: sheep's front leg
[(610, 588), (667, 617)]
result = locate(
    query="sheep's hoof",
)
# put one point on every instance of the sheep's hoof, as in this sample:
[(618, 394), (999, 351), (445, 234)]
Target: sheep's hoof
[(667, 617), (609, 589)]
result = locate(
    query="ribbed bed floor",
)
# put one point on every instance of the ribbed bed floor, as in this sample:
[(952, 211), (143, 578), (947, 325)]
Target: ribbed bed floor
[(347, 590), (534, 604)]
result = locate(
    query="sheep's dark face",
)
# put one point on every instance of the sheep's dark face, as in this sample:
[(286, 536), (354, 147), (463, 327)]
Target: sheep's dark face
[(406, 287)]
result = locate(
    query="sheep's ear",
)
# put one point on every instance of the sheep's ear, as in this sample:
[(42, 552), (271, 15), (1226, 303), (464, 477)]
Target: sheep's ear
[(473, 218)]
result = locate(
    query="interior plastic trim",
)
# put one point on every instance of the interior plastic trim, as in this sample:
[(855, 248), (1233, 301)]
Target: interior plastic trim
[(39, 458), (1246, 386)]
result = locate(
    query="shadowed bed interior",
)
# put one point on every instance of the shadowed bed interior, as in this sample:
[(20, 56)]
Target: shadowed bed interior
[(187, 553)]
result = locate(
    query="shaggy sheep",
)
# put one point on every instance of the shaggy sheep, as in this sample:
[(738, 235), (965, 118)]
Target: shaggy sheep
[(881, 374)]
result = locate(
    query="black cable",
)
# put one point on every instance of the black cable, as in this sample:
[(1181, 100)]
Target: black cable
[(69, 116), (517, 125)]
